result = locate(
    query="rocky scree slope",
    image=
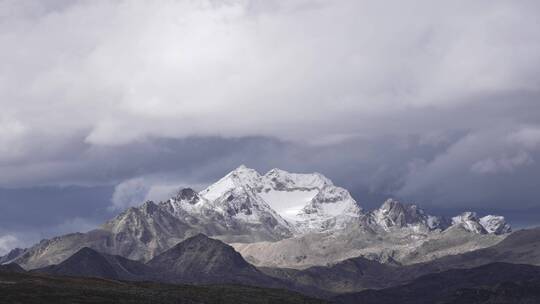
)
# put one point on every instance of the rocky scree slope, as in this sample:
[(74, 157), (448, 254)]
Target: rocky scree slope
[(395, 233), (356, 274)]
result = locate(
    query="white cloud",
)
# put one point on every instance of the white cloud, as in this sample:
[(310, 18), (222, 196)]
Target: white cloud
[(26, 235), (71, 225), (8, 242), (129, 193), (135, 191), (160, 192), (11, 131), (123, 70), (529, 137), (483, 168), (501, 164)]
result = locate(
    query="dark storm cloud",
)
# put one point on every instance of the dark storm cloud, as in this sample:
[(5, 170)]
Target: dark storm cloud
[(195, 158), (436, 103), (31, 214), (46, 206)]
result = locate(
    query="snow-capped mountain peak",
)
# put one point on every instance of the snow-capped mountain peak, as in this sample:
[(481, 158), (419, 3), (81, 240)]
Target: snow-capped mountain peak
[(392, 213), (302, 201), (278, 179), (239, 177), (469, 221), (187, 194), (310, 201), (495, 224)]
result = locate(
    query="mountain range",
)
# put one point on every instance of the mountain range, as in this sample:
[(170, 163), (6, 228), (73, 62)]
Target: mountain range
[(489, 274), (359, 273), (277, 219), (198, 259), (293, 231), (202, 260)]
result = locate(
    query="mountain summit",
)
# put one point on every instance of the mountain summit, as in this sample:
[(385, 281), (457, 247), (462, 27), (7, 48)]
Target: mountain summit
[(203, 260), (88, 262), (300, 203)]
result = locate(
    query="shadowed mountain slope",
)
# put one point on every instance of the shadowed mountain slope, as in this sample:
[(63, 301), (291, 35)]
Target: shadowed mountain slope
[(200, 259), (520, 247), (346, 276), (356, 274), (456, 286), (89, 263), (197, 260), (11, 267)]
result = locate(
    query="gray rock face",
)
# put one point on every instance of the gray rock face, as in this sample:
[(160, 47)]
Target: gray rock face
[(137, 233), (15, 252), (188, 195), (140, 233), (395, 214), (55, 250)]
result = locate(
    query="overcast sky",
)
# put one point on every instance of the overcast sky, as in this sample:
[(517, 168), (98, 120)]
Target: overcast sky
[(107, 103)]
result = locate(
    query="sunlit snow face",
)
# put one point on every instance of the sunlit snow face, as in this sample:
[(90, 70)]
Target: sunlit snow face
[(288, 204)]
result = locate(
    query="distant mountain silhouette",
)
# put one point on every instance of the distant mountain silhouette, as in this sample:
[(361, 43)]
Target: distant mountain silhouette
[(88, 262), (11, 267), (200, 259)]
